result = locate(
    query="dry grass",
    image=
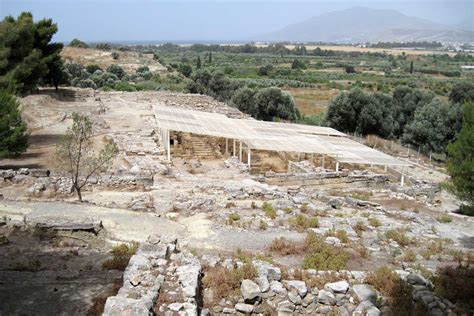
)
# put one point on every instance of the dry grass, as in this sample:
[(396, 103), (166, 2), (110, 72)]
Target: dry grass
[(397, 292), (359, 228), (399, 236), (224, 282), (230, 204), (374, 222), (284, 247), (457, 285), (312, 101), (409, 256), (121, 255), (301, 223)]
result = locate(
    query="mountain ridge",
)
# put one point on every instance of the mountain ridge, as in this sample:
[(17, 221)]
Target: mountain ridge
[(360, 24)]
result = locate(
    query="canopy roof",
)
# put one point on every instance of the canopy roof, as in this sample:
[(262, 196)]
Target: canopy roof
[(274, 136)]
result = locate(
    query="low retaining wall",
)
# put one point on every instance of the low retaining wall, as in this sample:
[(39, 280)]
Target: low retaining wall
[(323, 178)]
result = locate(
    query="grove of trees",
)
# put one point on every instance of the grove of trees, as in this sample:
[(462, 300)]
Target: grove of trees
[(413, 115), (27, 58)]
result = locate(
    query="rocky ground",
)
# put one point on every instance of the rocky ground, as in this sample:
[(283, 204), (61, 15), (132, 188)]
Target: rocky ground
[(216, 224)]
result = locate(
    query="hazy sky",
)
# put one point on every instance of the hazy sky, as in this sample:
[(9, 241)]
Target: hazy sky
[(149, 20)]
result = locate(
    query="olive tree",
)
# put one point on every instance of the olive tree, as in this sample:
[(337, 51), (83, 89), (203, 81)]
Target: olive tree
[(76, 156)]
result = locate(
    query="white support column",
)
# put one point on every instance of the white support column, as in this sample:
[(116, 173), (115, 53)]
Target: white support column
[(226, 146), (402, 180), (168, 144), (248, 156), (337, 166), (233, 147), (385, 168), (240, 150)]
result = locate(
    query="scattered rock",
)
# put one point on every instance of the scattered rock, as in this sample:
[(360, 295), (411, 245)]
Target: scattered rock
[(337, 287), (365, 292), (250, 291)]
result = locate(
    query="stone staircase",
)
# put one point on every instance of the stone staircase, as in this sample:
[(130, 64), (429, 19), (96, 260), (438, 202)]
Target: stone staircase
[(198, 148)]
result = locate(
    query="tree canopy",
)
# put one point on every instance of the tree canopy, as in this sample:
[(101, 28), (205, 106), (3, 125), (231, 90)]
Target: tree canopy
[(461, 157), (13, 133), (27, 54)]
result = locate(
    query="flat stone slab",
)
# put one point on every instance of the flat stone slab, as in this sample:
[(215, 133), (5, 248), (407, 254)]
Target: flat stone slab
[(64, 222)]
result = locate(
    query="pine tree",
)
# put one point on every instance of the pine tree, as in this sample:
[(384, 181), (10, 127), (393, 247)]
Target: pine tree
[(210, 57), (13, 132), (411, 67)]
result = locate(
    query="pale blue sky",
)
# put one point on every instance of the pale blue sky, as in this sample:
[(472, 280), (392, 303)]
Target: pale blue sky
[(150, 20)]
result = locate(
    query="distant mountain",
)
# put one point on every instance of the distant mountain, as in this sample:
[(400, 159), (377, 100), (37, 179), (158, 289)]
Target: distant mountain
[(358, 25)]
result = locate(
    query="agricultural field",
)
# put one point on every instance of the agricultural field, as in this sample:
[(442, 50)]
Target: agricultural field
[(320, 77)]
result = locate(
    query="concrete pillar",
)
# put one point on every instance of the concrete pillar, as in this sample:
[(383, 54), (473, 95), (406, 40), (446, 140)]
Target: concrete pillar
[(248, 157), (240, 150), (168, 144), (402, 180), (337, 166), (226, 145), (233, 150), (324, 158), (385, 168)]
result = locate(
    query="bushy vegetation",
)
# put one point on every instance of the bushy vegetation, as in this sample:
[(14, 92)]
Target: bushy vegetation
[(301, 223), (121, 255), (13, 132), (226, 282), (398, 292), (269, 210), (457, 285), (461, 160), (322, 256), (410, 114)]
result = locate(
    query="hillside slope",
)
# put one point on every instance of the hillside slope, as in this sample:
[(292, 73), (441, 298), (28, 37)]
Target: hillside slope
[(367, 25)]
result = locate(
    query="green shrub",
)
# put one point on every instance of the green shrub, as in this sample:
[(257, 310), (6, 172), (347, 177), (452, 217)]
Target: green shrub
[(374, 222), (268, 209), (322, 256), (326, 258), (121, 255), (398, 236), (232, 218), (302, 223)]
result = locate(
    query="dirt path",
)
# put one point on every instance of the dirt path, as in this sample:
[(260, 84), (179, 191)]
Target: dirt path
[(196, 231), (121, 225)]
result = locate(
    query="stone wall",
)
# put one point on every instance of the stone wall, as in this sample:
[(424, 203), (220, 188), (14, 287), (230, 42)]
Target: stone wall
[(323, 178)]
